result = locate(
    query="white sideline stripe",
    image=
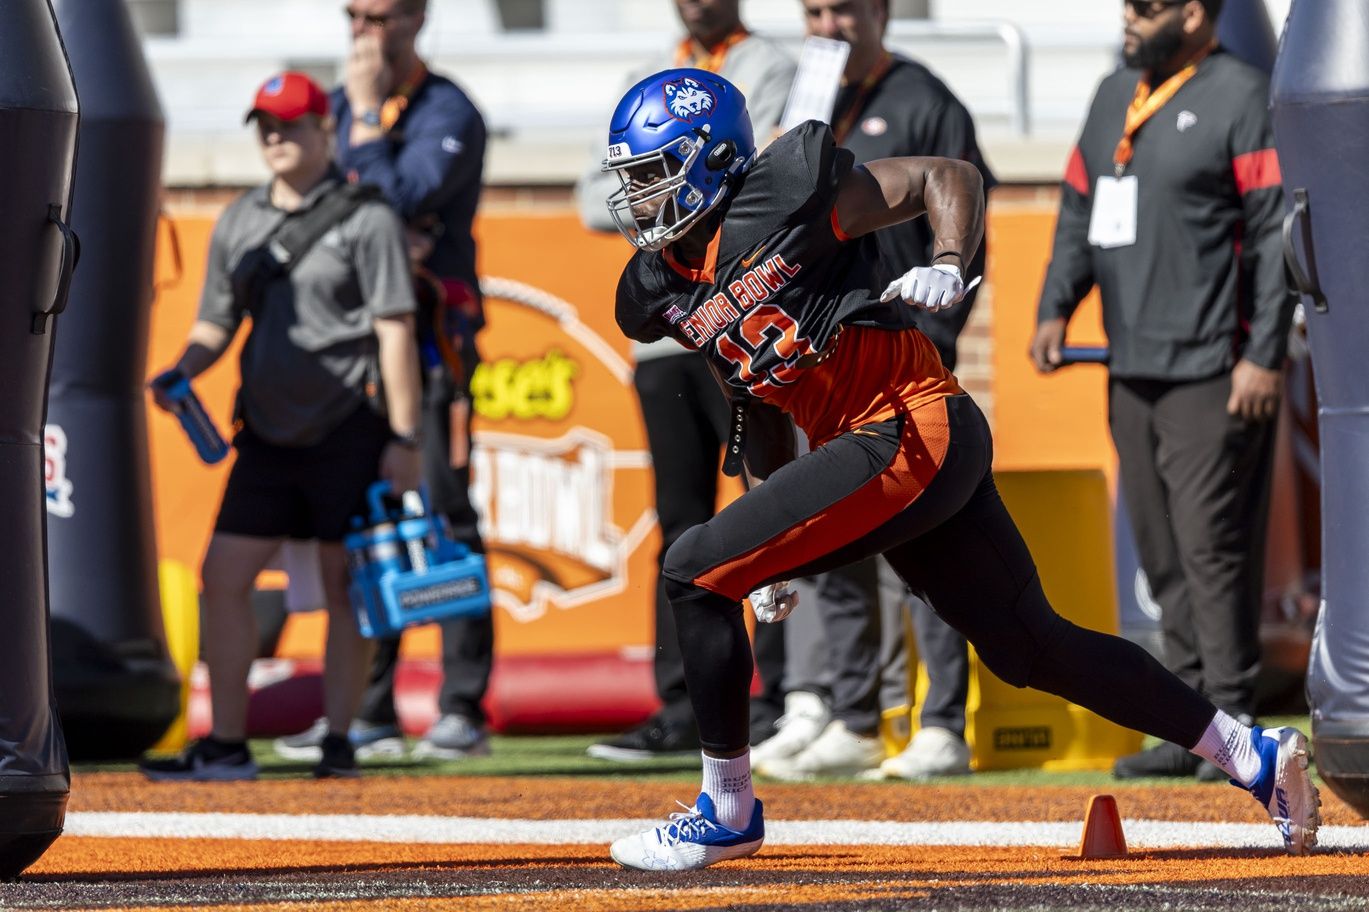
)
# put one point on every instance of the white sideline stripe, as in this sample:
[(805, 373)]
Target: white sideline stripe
[(451, 830)]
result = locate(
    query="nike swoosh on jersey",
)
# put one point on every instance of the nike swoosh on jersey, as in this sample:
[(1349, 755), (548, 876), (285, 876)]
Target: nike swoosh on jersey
[(747, 261)]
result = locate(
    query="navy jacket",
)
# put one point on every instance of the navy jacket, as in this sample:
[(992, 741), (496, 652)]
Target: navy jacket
[(429, 167)]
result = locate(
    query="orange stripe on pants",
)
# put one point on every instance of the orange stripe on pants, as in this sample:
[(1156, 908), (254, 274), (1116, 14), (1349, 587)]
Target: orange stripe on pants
[(921, 452)]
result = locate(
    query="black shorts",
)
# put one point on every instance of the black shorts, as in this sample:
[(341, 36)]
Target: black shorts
[(303, 492)]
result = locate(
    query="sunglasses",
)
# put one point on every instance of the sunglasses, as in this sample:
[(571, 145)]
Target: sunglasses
[(378, 22), (1150, 9)]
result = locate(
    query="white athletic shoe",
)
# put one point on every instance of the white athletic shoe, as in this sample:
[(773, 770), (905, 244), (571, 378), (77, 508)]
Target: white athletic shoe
[(370, 740), (805, 717), (932, 752), (1285, 788), (838, 751), (690, 840), (453, 737)]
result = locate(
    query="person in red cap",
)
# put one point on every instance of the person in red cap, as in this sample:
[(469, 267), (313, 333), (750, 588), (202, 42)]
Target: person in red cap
[(329, 403), (289, 97)]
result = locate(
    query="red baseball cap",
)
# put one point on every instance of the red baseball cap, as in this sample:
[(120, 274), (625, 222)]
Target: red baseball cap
[(288, 96)]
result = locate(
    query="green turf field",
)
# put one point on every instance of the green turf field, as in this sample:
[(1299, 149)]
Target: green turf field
[(564, 755)]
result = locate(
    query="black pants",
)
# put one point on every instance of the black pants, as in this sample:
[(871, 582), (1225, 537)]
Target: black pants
[(1196, 483), (467, 642), (848, 607), (919, 490), (942, 649), (946, 655), (686, 422), (852, 622)]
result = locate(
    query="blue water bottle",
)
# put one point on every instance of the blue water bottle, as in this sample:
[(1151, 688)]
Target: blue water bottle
[(185, 405), (1083, 354)]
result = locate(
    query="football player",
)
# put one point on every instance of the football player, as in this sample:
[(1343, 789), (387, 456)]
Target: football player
[(764, 264)]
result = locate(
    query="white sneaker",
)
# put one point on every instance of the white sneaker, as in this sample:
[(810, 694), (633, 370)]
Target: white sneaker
[(690, 840), (838, 751), (805, 716), (453, 737), (932, 752), (1285, 788), (370, 740)]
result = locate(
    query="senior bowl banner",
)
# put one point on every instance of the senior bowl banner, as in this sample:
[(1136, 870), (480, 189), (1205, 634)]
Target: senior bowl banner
[(555, 472), (560, 472), (561, 478)]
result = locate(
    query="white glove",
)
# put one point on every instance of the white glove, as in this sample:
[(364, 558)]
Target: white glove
[(774, 602), (930, 287)]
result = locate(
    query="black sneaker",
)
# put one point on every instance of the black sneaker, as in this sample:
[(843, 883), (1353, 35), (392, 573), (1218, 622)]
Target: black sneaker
[(654, 738), (338, 760), (206, 760), (1165, 760)]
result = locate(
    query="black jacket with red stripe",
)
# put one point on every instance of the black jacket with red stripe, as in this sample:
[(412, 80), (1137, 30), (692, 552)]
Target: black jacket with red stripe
[(1204, 283)]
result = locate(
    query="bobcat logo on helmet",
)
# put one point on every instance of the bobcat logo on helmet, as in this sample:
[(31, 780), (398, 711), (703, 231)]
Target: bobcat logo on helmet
[(687, 99)]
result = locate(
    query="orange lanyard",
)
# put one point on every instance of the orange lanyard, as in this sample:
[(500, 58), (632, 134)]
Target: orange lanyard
[(1145, 103), (872, 78), (690, 53), (396, 104)]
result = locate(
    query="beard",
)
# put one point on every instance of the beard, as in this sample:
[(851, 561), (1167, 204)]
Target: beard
[(1158, 48)]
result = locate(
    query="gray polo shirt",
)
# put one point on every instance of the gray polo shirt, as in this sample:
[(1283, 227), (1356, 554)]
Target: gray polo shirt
[(311, 355)]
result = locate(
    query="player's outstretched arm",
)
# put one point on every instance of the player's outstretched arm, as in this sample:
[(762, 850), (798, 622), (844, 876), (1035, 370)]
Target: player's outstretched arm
[(892, 190)]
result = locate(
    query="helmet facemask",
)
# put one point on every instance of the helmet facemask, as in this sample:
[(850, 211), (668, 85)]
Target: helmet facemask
[(656, 203)]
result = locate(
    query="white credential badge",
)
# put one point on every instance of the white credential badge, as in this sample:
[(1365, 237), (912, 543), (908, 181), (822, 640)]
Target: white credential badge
[(1113, 222)]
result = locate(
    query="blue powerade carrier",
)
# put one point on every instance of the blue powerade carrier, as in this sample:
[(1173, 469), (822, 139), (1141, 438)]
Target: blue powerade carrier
[(405, 570)]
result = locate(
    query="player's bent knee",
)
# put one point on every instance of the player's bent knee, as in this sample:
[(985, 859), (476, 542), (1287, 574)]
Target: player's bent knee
[(688, 556), (694, 605)]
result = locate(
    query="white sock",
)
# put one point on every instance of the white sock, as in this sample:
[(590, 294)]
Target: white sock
[(728, 783), (1226, 743)]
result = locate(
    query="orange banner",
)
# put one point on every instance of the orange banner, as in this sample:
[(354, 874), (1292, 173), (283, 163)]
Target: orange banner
[(560, 473)]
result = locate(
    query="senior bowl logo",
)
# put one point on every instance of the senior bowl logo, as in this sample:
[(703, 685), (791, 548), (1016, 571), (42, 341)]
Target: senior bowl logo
[(687, 99), (560, 480), (58, 486)]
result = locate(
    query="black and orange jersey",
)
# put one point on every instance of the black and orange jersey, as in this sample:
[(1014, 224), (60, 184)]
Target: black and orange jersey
[(780, 281)]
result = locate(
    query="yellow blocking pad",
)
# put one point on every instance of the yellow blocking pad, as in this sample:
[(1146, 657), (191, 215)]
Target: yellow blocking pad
[(180, 593), (1066, 518)]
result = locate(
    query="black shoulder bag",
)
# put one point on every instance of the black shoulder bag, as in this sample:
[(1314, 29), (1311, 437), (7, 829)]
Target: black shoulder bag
[(283, 250)]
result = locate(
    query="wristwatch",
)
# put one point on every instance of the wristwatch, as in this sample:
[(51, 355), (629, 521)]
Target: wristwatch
[(370, 118), (410, 441)]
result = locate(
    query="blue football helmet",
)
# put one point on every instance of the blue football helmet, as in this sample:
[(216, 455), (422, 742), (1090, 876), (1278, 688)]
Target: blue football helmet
[(678, 139)]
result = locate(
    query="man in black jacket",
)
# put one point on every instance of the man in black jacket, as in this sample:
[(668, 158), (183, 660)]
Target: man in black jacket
[(888, 106), (1171, 205)]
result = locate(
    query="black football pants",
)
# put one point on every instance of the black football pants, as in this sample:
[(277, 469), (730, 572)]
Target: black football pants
[(879, 489), (1196, 483)]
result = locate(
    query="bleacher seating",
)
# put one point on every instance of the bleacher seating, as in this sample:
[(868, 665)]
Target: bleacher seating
[(545, 93)]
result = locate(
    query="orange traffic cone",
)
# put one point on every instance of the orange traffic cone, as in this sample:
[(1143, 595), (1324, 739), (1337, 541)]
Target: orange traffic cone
[(1102, 831)]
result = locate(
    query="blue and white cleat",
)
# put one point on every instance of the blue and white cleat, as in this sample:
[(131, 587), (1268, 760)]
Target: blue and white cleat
[(689, 841), (1285, 788)]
